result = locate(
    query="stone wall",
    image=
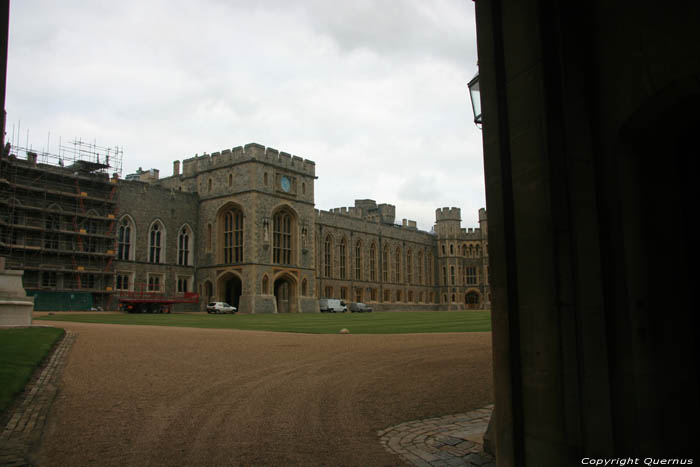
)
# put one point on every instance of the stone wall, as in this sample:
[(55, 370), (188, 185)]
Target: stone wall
[(144, 204), (425, 287)]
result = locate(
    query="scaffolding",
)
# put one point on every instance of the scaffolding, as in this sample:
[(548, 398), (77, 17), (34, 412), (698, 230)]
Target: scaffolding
[(58, 220)]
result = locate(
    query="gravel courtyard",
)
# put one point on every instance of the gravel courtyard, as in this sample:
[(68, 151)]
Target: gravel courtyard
[(162, 396)]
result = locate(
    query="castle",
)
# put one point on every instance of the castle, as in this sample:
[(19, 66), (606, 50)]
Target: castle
[(240, 226)]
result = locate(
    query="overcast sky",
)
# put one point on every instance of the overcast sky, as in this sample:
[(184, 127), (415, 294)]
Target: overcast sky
[(373, 91)]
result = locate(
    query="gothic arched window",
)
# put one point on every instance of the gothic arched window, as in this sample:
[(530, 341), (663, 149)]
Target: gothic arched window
[(397, 265), (409, 266), (358, 261), (232, 223), (341, 256), (420, 269), (184, 239), (327, 256), (156, 242), (385, 264), (124, 236), (282, 223)]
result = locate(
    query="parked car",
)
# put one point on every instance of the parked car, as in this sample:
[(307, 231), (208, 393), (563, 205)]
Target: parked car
[(220, 307), (360, 308), (332, 305)]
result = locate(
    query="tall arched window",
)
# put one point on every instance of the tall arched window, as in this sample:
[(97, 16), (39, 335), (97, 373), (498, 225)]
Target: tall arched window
[(429, 270), (304, 288), (397, 265), (232, 236), (452, 275), (358, 261), (156, 237), (184, 239), (409, 266), (265, 285), (341, 257), (327, 256), (385, 264), (124, 236), (470, 275), (373, 262), (282, 237), (420, 269)]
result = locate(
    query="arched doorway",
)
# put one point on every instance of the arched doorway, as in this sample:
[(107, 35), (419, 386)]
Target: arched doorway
[(472, 300), (229, 289), (285, 294)]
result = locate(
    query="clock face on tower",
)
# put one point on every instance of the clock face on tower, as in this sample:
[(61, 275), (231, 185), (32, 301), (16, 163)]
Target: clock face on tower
[(285, 183)]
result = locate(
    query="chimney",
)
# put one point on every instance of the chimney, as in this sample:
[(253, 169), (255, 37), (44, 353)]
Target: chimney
[(31, 157), (176, 168)]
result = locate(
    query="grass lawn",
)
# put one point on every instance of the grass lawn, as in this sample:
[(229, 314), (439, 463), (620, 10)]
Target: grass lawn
[(21, 352), (313, 323)]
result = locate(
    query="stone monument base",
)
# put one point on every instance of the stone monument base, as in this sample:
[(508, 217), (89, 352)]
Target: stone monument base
[(15, 307)]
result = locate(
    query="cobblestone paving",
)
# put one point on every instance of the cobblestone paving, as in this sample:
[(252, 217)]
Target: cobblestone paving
[(26, 421), (451, 440)]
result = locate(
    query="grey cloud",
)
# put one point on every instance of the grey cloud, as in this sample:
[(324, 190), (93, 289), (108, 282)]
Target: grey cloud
[(372, 91)]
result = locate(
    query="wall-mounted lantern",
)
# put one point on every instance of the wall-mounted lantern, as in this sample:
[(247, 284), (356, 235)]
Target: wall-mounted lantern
[(476, 99)]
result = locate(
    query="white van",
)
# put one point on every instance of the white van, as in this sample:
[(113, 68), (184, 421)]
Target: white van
[(332, 305)]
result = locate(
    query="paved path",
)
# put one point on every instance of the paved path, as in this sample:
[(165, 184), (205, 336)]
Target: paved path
[(27, 418), (451, 440), (161, 396)]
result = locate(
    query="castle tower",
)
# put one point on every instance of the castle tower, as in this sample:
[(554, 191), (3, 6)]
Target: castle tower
[(256, 221), (448, 230), (447, 221)]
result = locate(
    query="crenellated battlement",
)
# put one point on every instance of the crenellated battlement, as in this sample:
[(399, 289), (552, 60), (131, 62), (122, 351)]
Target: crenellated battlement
[(346, 212), (448, 214), (357, 213), (367, 209), (249, 152)]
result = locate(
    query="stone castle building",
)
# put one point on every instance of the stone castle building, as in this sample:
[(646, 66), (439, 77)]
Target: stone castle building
[(240, 226)]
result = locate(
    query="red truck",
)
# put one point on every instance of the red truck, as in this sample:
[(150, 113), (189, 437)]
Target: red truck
[(143, 301)]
